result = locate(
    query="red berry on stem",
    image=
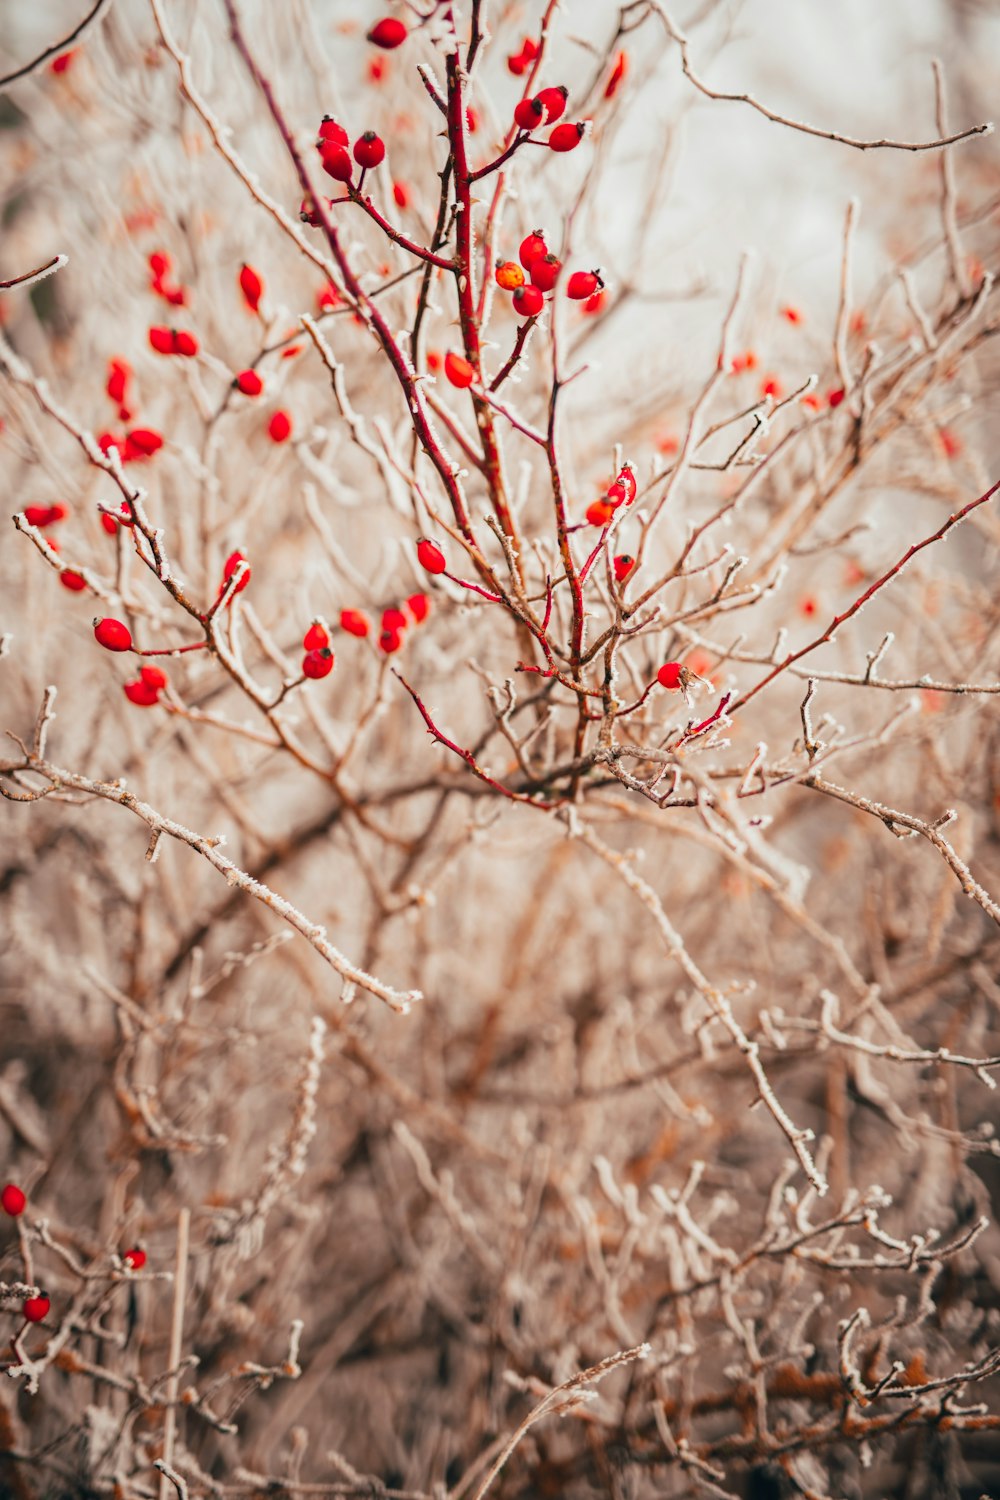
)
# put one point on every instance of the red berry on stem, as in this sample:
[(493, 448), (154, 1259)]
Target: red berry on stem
[(318, 663), (72, 581), (430, 556), (12, 1200), (509, 275), (135, 1258), (279, 429), (388, 33), (251, 286), (393, 619), (153, 677), (336, 164), (232, 563), (35, 1309), (329, 130), (567, 137), (419, 606), (532, 248), (528, 113), (553, 102), (37, 515), (112, 635), (185, 343), (140, 693), (249, 382), (623, 566), (161, 339), (354, 622), (316, 637), (545, 272), (159, 264), (142, 442), (369, 150), (599, 512), (119, 374), (528, 301), (458, 370), (583, 284), (670, 675), (390, 641)]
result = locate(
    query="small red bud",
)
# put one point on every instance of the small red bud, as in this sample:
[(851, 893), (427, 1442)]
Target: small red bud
[(112, 635), (532, 248), (12, 1200), (141, 694), (458, 370), (232, 563), (430, 556), (528, 301), (35, 1309), (388, 33), (401, 194), (553, 102), (567, 137), (316, 637), (318, 663), (583, 284), (354, 622), (369, 150), (251, 286), (279, 429), (249, 382), (135, 1258)]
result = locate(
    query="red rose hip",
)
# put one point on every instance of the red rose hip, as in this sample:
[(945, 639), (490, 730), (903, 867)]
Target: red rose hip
[(388, 33), (12, 1199), (112, 635), (430, 556)]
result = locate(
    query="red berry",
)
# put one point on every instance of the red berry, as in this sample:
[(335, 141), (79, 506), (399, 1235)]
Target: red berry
[(142, 442), (57, 512), (72, 581), (528, 113), (232, 563), (532, 248), (599, 512), (618, 73), (279, 429), (553, 102), (430, 556), (624, 487), (12, 1200), (37, 515), (390, 641), (106, 440), (316, 637), (388, 33), (140, 694), (528, 301), (369, 150), (135, 1258), (318, 663), (159, 264), (162, 340), (835, 397), (519, 62), (419, 606), (583, 284), (249, 382), (307, 212), (153, 677), (401, 194), (472, 119), (63, 62), (623, 566), (393, 619), (458, 370), (670, 675), (329, 130), (567, 137), (113, 635), (508, 275), (545, 272), (354, 622), (185, 343), (251, 286), (175, 295), (119, 374), (35, 1309), (336, 164)]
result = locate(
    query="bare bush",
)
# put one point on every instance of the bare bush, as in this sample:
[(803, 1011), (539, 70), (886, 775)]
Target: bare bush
[(557, 711)]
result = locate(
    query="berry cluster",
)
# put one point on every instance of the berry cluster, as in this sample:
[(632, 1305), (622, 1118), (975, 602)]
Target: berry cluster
[(332, 143), (621, 492)]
